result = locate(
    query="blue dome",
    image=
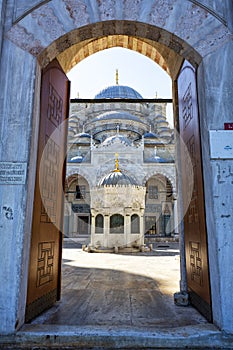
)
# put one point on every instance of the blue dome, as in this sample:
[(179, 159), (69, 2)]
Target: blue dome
[(83, 134), (118, 91), (77, 159), (117, 178), (152, 138), (150, 135)]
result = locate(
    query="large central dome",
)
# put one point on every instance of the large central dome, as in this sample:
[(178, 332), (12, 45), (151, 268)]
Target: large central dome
[(119, 91)]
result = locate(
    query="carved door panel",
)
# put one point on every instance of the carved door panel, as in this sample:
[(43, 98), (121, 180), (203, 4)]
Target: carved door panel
[(46, 239), (194, 219)]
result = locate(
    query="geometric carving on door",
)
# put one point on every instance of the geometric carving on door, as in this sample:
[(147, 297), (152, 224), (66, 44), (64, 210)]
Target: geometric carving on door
[(45, 263), (193, 206), (55, 106), (187, 107), (196, 263), (49, 182)]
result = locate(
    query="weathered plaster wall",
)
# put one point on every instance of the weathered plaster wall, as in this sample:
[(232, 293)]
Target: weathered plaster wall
[(22, 7), (16, 103), (181, 25), (229, 11), (216, 6), (215, 78)]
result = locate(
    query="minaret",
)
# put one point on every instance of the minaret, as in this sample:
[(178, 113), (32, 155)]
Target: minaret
[(117, 78)]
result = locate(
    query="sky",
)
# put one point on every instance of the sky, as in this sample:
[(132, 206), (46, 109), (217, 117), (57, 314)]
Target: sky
[(98, 71)]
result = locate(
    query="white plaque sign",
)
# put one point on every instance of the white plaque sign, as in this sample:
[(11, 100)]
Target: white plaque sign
[(13, 173), (221, 144)]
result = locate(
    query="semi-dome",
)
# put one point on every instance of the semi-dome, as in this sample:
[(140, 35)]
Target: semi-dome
[(116, 115), (118, 91), (117, 137)]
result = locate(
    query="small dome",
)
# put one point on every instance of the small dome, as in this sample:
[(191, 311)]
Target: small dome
[(83, 135), (76, 159), (151, 138), (115, 178), (119, 91), (82, 138)]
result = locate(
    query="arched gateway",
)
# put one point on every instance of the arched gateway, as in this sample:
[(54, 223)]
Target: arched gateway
[(35, 33)]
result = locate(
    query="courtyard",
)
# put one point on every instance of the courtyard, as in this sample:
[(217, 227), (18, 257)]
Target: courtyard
[(111, 290), (119, 301)]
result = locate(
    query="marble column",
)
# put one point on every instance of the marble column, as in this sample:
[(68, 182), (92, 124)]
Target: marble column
[(92, 229), (175, 217), (141, 229), (106, 230), (127, 230)]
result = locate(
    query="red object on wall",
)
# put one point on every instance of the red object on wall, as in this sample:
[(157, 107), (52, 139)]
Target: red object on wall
[(228, 126)]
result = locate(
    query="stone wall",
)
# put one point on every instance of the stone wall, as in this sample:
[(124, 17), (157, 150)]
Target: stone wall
[(17, 79), (216, 97)]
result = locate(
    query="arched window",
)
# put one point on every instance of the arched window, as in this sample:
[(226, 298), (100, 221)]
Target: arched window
[(135, 224), (99, 224), (167, 221), (117, 223)]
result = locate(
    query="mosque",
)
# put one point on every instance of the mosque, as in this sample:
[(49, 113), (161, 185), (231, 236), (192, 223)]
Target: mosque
[(122, 205)]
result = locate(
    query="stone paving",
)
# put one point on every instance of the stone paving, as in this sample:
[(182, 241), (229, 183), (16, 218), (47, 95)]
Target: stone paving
[(132, 290), (118, 301)]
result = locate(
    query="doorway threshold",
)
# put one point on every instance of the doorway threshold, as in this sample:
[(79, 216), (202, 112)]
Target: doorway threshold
[(43, 336)]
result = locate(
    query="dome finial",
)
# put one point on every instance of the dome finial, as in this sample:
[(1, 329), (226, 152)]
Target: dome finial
[(117, 77), (116, 163)]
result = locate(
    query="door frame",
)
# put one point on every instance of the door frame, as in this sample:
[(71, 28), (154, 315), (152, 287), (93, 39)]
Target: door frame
[(36, 114)]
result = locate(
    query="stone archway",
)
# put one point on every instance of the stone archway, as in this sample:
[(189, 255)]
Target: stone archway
[(29, 39), (77, 215), (160, 209)]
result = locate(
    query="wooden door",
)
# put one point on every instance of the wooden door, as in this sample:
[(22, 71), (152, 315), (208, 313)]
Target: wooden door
[(46, 239), (194, 219)]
